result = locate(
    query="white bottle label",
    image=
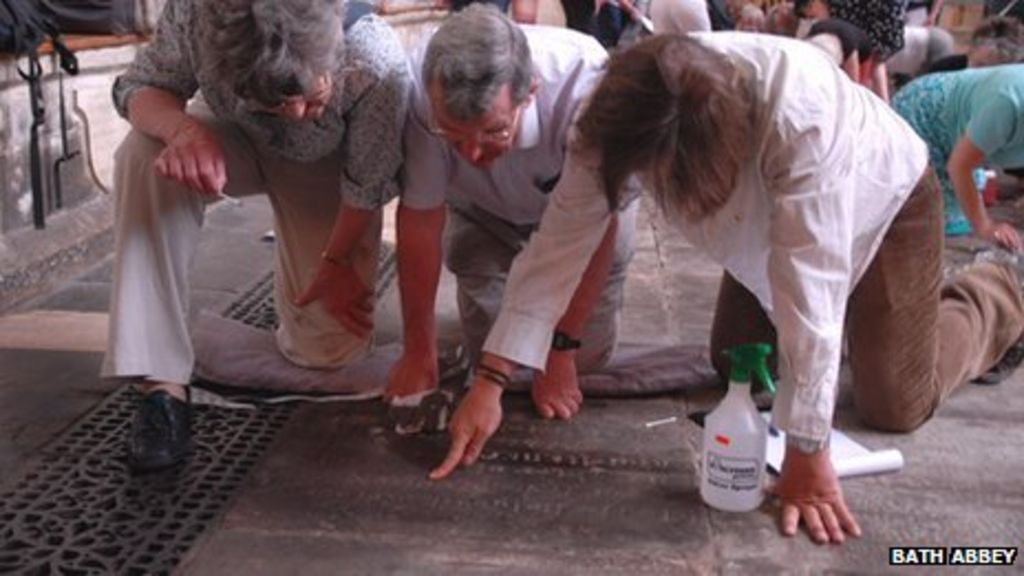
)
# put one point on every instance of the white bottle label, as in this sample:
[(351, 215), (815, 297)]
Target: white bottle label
[(733, 474)]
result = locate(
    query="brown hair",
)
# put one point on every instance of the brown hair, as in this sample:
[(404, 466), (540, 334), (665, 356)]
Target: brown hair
[(676, 111)]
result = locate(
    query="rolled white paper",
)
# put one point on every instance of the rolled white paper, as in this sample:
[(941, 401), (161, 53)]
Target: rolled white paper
[(849, 458), (875, 462)]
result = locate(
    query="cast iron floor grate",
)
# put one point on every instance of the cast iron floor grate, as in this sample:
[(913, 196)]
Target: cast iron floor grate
[(255, 307), (80, 510)]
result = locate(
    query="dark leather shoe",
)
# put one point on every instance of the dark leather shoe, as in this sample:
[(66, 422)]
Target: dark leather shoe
[(161, 434)]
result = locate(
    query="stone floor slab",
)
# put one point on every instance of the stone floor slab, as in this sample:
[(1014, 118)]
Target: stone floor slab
[(604, 492)]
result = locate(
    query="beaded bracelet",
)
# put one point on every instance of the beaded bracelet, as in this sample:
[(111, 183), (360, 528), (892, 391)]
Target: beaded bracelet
[(494, 375)]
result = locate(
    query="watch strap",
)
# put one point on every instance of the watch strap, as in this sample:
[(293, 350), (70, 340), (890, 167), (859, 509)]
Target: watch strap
[(562, 341)]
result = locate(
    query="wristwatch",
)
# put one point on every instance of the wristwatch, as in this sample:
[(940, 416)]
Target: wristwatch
[(562, 341), (806, 446)]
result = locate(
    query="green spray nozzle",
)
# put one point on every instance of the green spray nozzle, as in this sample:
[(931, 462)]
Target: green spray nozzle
[(750, 358)]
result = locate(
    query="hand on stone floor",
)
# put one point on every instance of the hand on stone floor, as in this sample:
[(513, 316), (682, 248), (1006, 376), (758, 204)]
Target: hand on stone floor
[(193, 157), (414, 372), (810, 492), (1002, 234), (344, 296), (475, 421), (556, 391)]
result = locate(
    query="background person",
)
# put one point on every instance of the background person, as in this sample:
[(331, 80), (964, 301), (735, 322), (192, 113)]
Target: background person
[(969, 118), (997, 40), (680, 16), (846, 45), (881, 20)]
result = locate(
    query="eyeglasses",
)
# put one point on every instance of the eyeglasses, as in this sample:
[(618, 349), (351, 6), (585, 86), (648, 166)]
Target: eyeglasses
[(499, 136), (318, 99)]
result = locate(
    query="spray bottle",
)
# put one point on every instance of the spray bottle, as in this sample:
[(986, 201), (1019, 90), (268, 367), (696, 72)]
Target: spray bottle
[(736, 437)]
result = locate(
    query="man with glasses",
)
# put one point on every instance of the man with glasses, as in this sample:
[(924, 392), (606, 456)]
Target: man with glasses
[(489, 135)]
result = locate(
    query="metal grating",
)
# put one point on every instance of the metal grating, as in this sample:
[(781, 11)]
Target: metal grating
[(255, 307), (81, 511)]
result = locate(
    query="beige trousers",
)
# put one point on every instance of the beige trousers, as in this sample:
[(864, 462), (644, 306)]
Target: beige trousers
[(157, 229), (479, 250), (912, 339)]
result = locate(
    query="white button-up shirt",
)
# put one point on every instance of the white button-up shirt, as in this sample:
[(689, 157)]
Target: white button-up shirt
[(832, 167), (518, 185)]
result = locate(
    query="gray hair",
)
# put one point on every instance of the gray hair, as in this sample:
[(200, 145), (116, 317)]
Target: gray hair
[(475, 53), (267, 50), (1001, 38), (751, 15)]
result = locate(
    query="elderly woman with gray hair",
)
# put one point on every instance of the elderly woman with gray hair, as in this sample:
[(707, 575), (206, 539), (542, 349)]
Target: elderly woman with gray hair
[(236, 97)]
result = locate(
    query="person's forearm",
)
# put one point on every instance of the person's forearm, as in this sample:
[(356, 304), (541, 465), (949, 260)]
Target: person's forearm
[(881, 81), (961, 176), (592, 284), (852, 66), (933, 14), (156, 113), (419, 270), (349, 226), (960, 166)]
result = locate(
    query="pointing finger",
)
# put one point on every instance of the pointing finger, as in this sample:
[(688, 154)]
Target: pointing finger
[(476, 446), (451, 461)]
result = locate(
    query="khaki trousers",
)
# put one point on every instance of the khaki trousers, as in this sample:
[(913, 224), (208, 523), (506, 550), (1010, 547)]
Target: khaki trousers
[(157, 230), (912, 340), (479, 250)]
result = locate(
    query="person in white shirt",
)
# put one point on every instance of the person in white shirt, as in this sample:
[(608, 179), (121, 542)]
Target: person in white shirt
[(680, 16), (487, 133), (818, 201)]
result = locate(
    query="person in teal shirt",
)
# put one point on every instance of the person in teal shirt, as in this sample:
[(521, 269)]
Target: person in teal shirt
[(969, 118)]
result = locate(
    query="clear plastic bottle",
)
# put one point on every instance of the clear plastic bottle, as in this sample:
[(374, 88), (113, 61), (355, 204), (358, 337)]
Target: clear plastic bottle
[(736, 437)]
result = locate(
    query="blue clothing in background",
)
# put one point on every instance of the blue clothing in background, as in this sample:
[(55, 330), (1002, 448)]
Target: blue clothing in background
[(986, 104)]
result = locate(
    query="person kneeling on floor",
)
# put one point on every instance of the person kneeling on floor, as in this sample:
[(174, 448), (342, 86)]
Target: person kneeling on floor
[(818, 201), (293, 105)]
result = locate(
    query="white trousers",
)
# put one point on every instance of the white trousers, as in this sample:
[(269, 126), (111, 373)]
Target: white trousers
[(157, 229)]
